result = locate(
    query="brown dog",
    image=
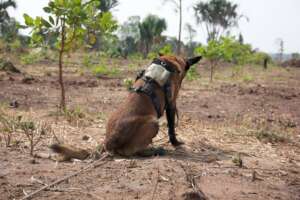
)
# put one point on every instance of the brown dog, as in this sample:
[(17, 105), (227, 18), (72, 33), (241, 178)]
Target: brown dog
[(130, 128)]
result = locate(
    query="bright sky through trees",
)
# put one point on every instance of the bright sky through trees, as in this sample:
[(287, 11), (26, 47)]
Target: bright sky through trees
[(269, 19)]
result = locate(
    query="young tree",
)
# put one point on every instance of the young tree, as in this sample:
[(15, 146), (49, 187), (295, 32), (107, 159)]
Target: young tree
[(226, 48), (295, 56), (69, 19), (130, 28), (178, 9), (280, 44), (100, 23), (108, 5), (150, 29), (191, 32), (213, 53), (129, 36), (8, 25), (191, 45), (4, 5), (218, 16), (241, 38)]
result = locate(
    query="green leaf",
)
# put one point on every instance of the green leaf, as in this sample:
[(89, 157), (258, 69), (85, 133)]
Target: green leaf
[(47, 9), (45, 23), (51, 4), (77, 2), (51, 20), (28, 20)]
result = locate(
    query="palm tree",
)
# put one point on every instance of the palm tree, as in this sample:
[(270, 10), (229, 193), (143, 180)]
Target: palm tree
[(107, 5), (8, 28), (4, 5), (218, 16), (150, 30)]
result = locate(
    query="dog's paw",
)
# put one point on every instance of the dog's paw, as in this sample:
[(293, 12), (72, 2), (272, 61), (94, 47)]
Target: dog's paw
[(176, 143)]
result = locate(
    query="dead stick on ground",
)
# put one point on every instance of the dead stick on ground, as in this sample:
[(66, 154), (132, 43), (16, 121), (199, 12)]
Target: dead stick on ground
[(155, 187), (191, 179), (93, 165)]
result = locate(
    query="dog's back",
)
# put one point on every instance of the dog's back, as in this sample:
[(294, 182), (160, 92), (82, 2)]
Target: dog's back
[(131, 127)]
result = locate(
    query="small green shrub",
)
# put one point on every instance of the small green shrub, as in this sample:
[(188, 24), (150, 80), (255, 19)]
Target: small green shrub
[(32, 57), (269, 136), (166, 50), (16, 45), (34, 132), (237, 71), (192, 73), (128, 82), (8, 125), (247, 78), (152, 55), (74, 115), (136, 56), (259, 57), (103, 70), (87, 60)]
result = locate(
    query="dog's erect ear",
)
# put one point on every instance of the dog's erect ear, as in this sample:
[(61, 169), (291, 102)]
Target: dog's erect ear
[(192, 61)]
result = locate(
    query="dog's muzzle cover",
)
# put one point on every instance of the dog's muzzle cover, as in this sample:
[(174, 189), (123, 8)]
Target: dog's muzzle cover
[(158, 73)]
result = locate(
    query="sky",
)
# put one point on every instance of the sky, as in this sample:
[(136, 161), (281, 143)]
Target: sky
[(268, 19)]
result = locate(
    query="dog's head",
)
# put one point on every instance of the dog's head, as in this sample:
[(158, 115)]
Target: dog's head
[(180, 66)]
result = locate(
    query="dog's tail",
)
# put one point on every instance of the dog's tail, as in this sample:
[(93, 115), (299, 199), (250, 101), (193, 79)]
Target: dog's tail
[(69, 152)]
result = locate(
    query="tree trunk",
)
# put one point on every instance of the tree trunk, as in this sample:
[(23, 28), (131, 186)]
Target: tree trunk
[(211, 70), (61, 81), (180, 28), (266, 63), (145, 50)]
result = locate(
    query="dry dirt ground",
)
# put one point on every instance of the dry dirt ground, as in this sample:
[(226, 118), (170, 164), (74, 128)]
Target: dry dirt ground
[(241, 137)]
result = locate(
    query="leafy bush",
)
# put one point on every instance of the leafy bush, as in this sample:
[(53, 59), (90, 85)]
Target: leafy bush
[(87, 60), (34, 132), (213, 52), (128, 82), (152, 55), (235, 52), (166, 50), (2, 45), (34, 56), (247, 78), (74, 115), (8, 125), (192, 74), (103, 70), (136, 56), (268, 136), (259, 57), (16, 45), (230, 50)]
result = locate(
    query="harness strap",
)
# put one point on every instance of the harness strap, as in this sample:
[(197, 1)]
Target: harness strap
[(148, 89), (150, 84), (165, 65)]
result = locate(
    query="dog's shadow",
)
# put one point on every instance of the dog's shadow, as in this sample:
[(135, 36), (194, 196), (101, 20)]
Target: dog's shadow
[(207, 154)]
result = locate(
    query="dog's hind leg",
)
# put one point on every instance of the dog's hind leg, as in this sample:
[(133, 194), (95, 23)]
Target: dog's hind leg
[(141, 139)]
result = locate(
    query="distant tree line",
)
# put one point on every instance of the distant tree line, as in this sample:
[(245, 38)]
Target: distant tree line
[(90, 24)]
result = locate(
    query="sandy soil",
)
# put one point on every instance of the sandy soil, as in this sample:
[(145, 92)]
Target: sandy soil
[(222, 124)]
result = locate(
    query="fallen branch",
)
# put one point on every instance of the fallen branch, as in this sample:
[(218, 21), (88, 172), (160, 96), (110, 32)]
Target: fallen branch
[(155, 187), (91, 166), (191, 179)]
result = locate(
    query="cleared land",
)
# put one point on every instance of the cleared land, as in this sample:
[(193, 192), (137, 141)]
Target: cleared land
[(247, 116)]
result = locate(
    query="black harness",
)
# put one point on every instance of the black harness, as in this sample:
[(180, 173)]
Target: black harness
[(150, 84)]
